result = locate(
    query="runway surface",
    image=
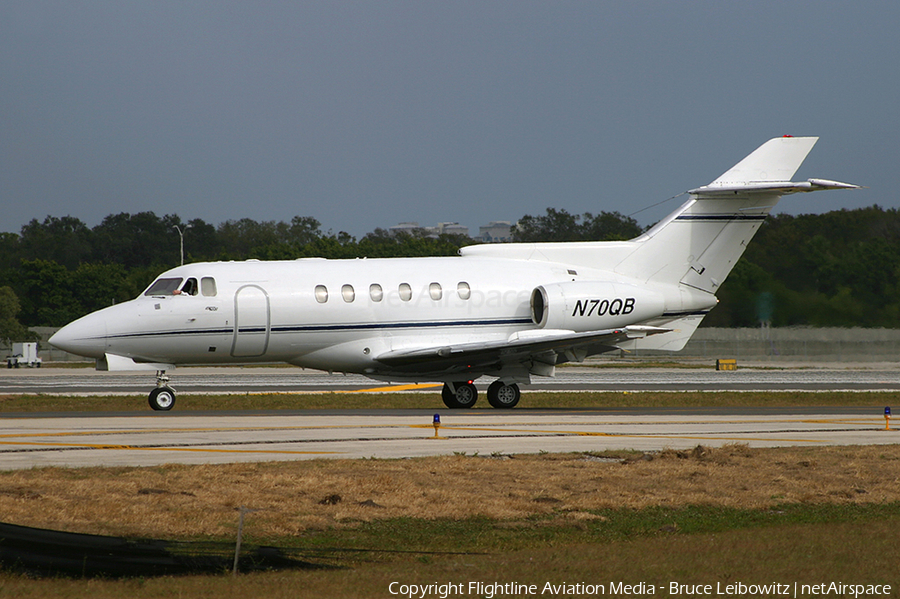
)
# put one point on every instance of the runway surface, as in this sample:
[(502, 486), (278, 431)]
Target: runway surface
[(83, 381), (202, 438), (144, 439)]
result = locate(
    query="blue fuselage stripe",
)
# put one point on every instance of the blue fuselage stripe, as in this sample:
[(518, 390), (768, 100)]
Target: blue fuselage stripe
[(331, 327), (721, 217)]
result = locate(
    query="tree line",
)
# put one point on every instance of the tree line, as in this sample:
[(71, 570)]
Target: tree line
[(841, 268), (836, 269), (59, 269)]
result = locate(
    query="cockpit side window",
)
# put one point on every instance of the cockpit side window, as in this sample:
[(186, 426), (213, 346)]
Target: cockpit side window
[(208, 286), (190, 287), (164, 286)]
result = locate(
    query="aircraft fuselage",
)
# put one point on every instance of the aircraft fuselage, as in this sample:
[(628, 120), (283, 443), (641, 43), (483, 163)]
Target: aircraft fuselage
[(340, 315)]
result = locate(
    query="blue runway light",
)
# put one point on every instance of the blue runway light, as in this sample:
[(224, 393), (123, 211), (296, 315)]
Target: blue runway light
[(437, 425), (887, 411)]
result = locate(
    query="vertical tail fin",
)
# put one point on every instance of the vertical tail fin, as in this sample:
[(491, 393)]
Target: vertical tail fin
[(776, 160), (699, 244)]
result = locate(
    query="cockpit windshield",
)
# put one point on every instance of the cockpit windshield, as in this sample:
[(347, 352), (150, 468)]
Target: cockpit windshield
[(164, 286)]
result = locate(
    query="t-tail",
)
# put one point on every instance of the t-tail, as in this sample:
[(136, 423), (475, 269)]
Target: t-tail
[(699, 244), (688, 254), (696, 246)]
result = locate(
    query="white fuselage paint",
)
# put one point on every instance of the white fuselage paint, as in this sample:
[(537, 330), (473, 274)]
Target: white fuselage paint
[(268, 311)]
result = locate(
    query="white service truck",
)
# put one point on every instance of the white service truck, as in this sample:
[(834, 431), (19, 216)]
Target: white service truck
[(23, 353)]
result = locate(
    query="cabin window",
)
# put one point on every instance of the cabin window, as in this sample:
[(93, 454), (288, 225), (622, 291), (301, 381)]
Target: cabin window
[(190, 287), (435, 291), (208, 286), (463, 290), (164, 286), (405, 292), (347, 293), (321, 294), (376, 292)]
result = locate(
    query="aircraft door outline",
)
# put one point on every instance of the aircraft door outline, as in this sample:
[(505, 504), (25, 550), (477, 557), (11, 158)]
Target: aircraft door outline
[(252, 322)]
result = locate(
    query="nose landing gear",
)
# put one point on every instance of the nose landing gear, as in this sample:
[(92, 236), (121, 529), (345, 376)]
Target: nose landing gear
[(163, 397)]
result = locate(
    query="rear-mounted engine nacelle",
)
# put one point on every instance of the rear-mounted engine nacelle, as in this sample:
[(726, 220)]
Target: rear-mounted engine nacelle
[(582, 306)]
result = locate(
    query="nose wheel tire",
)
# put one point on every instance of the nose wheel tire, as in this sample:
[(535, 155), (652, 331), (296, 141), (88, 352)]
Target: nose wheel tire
[(503, 396), (459, 395), (162, 399)]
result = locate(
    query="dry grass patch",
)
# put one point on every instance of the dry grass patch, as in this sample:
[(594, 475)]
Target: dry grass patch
[(296, 497)]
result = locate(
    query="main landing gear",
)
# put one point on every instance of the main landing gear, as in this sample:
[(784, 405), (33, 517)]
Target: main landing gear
[(503, 396), (163, 397), (459, 395), (464, 395)]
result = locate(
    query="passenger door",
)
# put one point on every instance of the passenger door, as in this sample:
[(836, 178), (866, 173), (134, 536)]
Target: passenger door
[(252, 322)]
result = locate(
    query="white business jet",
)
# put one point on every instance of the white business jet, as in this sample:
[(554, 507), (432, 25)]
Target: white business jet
[(508, 311)]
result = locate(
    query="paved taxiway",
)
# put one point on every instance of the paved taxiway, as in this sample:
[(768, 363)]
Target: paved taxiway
[(151, 439), (143, 439)]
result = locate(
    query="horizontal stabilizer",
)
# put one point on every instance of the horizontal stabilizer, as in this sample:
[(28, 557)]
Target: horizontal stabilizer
[(780, 187)]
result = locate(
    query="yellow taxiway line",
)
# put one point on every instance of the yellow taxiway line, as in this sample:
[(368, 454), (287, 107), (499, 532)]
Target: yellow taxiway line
[(139, 448), (412, 387), (711, 436)]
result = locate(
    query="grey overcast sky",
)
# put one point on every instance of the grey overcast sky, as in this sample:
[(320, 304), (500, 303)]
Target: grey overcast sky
[(363, 114)]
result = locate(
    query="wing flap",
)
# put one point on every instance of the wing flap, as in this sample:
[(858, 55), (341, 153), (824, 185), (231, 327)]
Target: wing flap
[(522, 348)]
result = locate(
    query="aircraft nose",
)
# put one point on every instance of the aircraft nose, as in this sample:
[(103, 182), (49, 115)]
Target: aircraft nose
[(84, 337)]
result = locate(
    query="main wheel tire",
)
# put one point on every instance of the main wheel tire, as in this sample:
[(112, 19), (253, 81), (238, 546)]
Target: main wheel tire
[(162, 399), (503, 396), (465, 396)]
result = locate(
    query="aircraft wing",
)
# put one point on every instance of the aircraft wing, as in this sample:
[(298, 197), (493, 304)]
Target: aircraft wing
[(536, 351)]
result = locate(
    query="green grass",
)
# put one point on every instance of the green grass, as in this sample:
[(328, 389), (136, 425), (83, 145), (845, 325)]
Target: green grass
[(644, 363), (485, 535), (691, 545)]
